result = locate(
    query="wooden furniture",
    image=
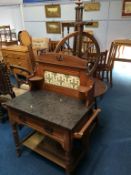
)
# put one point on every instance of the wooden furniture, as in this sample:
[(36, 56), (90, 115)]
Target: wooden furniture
[(121, 44), (59, 108), (17, 55), (26, 40), (101, 64), (90, 53), (7, 37), (107, 68), (7, 91), (74, 43), (52, 45), (41, 45)]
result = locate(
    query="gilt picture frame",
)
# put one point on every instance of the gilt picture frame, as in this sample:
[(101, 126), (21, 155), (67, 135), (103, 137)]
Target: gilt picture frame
[(53, 11), (93, 24), (126, 8), (92, 6), (53, 27)]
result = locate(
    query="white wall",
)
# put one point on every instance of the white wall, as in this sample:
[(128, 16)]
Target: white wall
[(10, 15), (111, 24), (7, 2)]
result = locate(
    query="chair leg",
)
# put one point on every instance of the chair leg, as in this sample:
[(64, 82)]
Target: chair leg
[(107, 76), (3, 114), (102, 76), (111, 78)]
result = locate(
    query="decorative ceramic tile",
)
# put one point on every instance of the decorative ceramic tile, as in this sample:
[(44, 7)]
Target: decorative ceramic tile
[(63, 80)]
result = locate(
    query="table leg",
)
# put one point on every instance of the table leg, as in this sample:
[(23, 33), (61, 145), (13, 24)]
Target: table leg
[(68, 153), (95, 103), (69, 173), (16, 139)]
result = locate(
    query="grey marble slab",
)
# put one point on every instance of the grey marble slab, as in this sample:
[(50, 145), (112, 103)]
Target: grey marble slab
[(55, 108)]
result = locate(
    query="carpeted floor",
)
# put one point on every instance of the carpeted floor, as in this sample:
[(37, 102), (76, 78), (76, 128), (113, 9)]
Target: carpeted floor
[(110, 144)]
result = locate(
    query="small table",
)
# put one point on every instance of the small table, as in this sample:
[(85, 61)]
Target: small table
[(60, 122), (100, 88)]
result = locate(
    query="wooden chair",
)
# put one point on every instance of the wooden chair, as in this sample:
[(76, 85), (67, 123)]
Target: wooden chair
[(107, 67), (41, 45), (52, 45), (7, 90), (26, 40), (102, 62)]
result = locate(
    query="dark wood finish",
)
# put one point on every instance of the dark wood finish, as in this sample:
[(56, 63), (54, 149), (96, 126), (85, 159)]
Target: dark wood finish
[(62, 114), (58, 113), (51, 62), (107, 68), (61, 128), (52, 45), (6, 86), (91, 52), (36, 83), (101, 64)]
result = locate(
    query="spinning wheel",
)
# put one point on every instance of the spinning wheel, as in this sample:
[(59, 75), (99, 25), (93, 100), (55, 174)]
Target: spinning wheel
[(83, 45)]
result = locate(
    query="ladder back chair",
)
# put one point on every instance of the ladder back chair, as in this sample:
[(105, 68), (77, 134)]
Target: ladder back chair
[(107, 67)]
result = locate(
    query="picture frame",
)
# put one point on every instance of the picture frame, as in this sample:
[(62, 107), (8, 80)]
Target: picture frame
[(53, 11), (93, 24), (126, 8), (53, 27), (92, 6)]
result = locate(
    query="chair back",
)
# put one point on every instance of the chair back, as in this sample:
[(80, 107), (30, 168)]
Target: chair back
[(26, 40), (5, 84), (111, 56), (103, 58)]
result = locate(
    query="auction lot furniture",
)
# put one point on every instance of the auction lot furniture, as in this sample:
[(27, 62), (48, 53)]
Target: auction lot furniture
[(17, 55), (60, 109), (7, 90)]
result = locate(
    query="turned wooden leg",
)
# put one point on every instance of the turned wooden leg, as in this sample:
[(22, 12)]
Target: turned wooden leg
[(68, 162), (107, 76), (68, 153), (95, 105), (69, 173), (16, 139)]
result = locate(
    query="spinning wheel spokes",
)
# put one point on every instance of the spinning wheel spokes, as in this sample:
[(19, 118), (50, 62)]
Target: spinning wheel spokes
[(83, 45)]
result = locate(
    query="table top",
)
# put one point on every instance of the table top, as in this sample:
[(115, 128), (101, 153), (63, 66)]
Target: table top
[(60, 110), (100, 88)]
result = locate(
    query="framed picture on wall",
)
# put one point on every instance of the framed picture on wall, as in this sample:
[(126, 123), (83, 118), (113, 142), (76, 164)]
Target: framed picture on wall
[(126, 8), (53, 27), (53, 11), (92, 6)]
